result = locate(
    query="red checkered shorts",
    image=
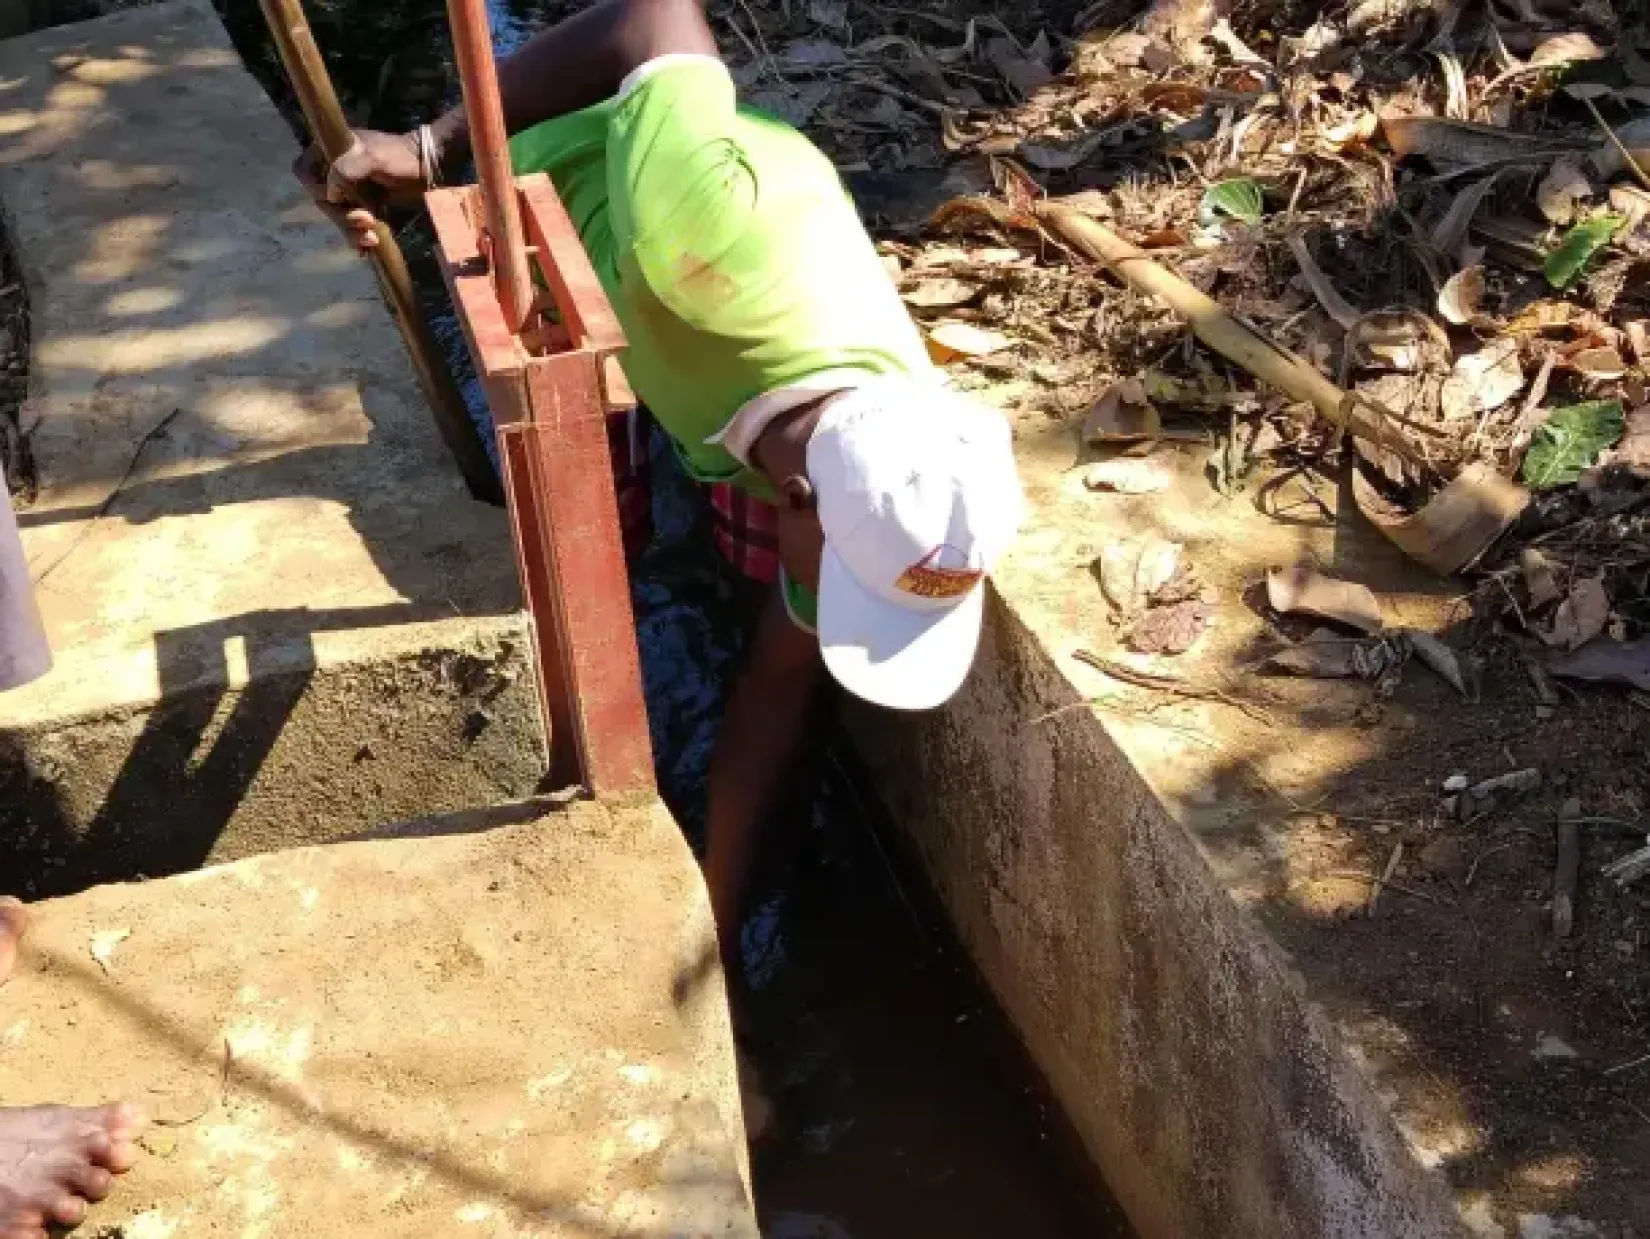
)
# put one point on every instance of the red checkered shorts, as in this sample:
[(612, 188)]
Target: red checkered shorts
[(744, 526)]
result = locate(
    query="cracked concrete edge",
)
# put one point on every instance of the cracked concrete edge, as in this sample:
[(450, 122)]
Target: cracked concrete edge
[(1208, 1089)]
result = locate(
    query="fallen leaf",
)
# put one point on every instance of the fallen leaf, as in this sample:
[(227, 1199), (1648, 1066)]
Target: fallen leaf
[(1463, 144), (1461, 296), (1183, 586), (1633, 452), (1403, 340), (1608, 662), (1164, 238), (1581, 616), (1632, 204), (1118, 561), (795, 105), (814, 54), (1571, 441), (1327, 656), (1240, 198), (1173, 97), (1324, 655), (1127, 51), (1483, 382), (832, 14), (1158, 564), (1353, 133), (1116, 418), (104, 943), (1170, 630), (1451, 231), (966, 340), (1566, 263), (1598, 363), (1438, 657), (1026, 74), (1127, 477), (1302, 589), (1132, 571), (1347, 316), (1635, 136), (940, 294), (1182, 23), (1562, 189), (1540, 582), (1638, 335), (1564, 49)]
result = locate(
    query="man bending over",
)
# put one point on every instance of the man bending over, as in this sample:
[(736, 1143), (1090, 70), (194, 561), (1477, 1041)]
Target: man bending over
[(768, 341)]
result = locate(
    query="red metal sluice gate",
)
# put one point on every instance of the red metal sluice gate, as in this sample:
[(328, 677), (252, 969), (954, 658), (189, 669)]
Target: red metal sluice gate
[(547, 360)]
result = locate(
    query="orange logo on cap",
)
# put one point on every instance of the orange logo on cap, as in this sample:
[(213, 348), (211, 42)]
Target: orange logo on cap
[(926, 579)]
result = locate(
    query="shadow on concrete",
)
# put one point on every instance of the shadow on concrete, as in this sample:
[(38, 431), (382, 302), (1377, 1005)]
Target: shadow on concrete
[(192, 763), (160, 414)]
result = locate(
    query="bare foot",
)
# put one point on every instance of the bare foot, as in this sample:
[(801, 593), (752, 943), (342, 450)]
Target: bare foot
[(13, 918), (55, 1160)]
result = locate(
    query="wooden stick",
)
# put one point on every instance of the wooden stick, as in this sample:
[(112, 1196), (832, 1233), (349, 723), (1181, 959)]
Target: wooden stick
[(311, 83), (1270, 362)]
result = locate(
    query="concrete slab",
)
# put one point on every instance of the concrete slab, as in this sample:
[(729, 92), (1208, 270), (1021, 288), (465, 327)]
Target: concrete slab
[(1125, 871), (519, 1032), (245, 514)]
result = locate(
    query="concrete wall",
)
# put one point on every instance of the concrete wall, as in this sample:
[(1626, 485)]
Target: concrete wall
[(248, 765), (1211, 1095)]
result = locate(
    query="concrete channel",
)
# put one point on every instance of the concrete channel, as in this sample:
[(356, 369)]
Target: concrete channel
[(215, 383)]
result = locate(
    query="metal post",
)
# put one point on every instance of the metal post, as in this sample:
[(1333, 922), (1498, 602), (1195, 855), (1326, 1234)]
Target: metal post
[(489, 144)]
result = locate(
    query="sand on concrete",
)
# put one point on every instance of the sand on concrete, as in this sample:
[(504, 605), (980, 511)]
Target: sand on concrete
[(517, 1032)]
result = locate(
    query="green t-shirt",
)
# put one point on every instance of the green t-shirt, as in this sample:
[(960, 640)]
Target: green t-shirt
[(731, 252)]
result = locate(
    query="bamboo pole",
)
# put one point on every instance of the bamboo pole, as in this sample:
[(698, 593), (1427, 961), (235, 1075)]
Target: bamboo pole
[(310, 81), (1270, 362), (489, 145), (1447, 533)]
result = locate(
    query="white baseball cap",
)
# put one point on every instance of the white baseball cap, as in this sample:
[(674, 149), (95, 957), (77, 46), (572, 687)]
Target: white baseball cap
[(918, 497)]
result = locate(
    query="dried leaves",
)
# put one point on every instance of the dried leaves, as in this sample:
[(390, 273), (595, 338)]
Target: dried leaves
[(1302, 589)]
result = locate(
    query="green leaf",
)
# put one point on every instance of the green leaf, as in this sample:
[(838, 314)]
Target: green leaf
[(1573, 254), (1571, 441), (1240, 198)]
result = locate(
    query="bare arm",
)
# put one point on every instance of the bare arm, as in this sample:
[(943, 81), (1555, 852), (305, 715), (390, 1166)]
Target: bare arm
[(571, 65), (581, 61)]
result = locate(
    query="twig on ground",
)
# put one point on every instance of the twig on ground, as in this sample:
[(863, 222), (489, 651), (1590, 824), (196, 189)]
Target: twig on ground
[(1173, 685), (1392, 860), (1637, 1062)]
